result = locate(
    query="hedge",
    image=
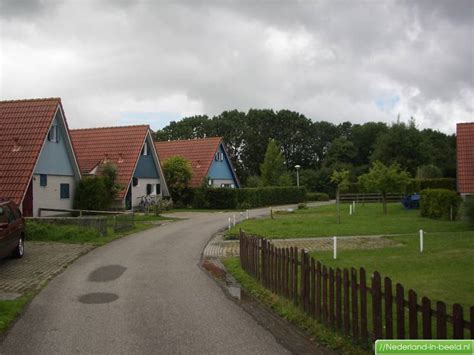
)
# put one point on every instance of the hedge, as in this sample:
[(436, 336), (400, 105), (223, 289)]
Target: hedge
[(317, 196), (469, 208), (225, 198), (417, 185), (437, 203)]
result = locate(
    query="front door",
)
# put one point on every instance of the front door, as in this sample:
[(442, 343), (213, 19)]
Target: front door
[(27, 206)]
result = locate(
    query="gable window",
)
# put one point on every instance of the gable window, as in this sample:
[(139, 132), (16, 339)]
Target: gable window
[(43, 180), (219, 156), (135, 181), (145, 149), (149, 189), (227, 186), (158, 189), (64, 190), (53, 134)]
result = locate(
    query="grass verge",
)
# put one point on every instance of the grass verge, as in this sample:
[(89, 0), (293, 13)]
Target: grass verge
[(11, 309), (321, 221), (287, 310)]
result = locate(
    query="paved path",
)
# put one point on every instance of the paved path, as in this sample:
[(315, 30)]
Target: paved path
[(41, 262), (140, 294), (220, 248)]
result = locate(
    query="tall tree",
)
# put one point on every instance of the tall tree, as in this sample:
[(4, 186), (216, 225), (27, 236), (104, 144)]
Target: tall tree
[(273, 166), (178, 173), (341, 180)]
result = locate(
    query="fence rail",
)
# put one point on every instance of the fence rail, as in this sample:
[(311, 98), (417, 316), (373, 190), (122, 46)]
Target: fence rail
[(369, 197), (343, 300)]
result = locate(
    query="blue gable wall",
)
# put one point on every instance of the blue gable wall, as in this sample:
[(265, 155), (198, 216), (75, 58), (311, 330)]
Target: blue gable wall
[(146, 167), (221, 169), (54, 158)]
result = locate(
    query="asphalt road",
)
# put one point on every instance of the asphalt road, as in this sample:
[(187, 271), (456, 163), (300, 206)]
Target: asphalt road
[(140, 294)]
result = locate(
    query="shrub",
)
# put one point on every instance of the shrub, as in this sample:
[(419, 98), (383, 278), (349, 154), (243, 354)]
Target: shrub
[(469, 210), (437, 203), (302, 206), (428, 172), (317, 196), (51, 232), (92, 194)]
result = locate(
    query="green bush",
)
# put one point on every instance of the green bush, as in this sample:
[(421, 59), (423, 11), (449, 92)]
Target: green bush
[(92, 194), (317, 196), (224, 198), (437, 203), (417, 185), (469, 210)]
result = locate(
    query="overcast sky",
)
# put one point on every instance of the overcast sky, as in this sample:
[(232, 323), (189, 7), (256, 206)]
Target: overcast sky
[(128, 62)]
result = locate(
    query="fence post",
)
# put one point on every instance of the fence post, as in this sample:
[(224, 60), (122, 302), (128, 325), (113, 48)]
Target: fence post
[(338, 299), (364, 333), (229, 223), (400, 299), (458, 322), (318, 290), (388, 308), (346, 316), (412, 315), (295, 275), (421, 240), (377, 305), (234, 220), (332, 319), (335, 247), (472, 322), (355, 304), (441, 329), (247, 214), (426, 317)]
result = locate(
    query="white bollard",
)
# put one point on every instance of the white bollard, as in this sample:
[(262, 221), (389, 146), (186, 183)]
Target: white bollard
[(350, 210), (353, 207), (234, 220), (421, 240), (335, 247), (229, 223), (247, 214)]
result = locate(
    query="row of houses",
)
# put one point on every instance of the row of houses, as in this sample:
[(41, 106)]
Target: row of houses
[(42, 160)]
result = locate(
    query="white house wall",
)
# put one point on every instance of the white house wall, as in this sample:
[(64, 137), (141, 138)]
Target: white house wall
[(140, 190), (50, 196)]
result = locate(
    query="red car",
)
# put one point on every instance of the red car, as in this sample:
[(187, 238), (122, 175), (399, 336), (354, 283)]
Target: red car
[(12, 230)]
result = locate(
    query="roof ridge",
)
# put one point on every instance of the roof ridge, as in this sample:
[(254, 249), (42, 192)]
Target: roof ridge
[(34, 99), (109, 127), (190, 139), (468, 123)]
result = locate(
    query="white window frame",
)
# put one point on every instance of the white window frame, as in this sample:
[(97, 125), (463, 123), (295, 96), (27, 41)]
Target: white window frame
[(145, 149), (53, 133)]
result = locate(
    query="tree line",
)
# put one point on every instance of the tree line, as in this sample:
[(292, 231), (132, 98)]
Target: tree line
[(320, 147)]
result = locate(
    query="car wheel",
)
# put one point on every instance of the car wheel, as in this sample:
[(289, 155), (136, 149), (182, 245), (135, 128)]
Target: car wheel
[(20, 249)]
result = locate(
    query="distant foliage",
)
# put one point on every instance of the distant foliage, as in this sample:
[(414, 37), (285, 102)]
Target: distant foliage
[(317, 196), (253, 181), (429, 172), (439, 203), (273, 167), (416, 185)]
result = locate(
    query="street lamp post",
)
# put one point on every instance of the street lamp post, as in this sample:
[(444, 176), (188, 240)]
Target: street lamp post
[(297, 167)]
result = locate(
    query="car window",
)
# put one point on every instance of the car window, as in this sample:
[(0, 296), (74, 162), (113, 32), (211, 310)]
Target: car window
[(16, 211), (9, 214), (3, 215)]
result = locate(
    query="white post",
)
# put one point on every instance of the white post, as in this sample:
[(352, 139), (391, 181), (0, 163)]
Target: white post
[(229, 223), (234, 220), (335, 247), (350, 210), (247, 214), (421, 240), (353, 207)]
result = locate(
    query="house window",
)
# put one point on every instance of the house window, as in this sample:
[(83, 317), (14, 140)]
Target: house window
[(227, 185), (43, 180), (158, 189), (53, 134), (135, 181), (149, 189), (64, 190), (145, 149), (219, 156)]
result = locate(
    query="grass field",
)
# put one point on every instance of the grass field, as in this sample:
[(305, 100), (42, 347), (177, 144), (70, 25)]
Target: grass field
[(368, 220), (443, 272)]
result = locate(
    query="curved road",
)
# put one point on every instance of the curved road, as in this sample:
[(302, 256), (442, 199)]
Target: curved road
[(140, 294)]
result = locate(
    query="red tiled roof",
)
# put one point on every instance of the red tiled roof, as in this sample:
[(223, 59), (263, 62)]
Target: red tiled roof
[(24, 125), (200, 152), (465, 157), (118, 145)]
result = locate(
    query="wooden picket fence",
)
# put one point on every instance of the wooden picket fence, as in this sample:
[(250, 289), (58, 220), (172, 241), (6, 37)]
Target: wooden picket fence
[(341, 298)]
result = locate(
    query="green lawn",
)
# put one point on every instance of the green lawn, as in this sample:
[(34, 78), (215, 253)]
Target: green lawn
[(368, 220), (443, 272), (9, 310)]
